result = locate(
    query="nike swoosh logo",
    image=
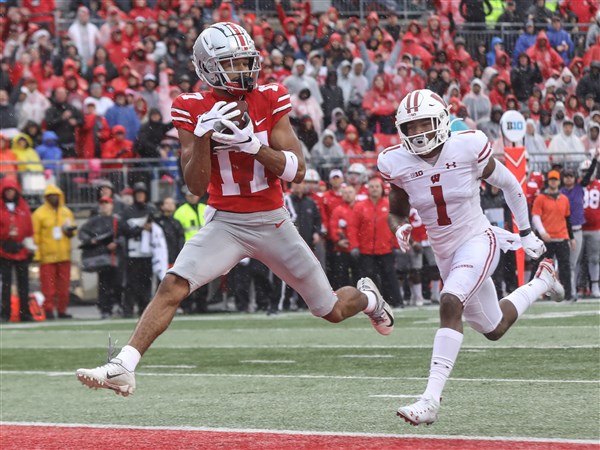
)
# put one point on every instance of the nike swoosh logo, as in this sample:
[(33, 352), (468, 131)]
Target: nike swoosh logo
[(277, 225), (109, 376), (258, 122), (391, 319)]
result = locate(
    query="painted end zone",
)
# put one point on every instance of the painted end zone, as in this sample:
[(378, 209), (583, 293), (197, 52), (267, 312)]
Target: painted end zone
[(13, 437)]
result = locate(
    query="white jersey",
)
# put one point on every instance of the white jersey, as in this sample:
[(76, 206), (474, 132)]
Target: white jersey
[(446, 194)]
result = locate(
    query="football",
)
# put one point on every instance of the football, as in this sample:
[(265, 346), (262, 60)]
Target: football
[(241, 120)]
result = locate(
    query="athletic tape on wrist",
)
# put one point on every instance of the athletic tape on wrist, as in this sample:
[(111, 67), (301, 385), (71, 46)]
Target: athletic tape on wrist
[(291, 166)]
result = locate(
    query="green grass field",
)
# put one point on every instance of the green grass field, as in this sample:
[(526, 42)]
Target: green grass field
[(296, 372)]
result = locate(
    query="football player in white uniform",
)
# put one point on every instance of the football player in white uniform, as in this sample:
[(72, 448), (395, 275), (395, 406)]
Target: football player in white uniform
[(439, 174)]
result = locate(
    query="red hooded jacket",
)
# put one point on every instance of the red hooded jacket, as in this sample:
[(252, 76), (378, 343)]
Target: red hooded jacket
[(15, 225)]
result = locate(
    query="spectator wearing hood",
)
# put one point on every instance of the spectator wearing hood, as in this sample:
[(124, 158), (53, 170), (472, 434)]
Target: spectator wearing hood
[(539, 14), (9, 166), (93, 133), (117, 147), (151, 134), (327, 150), (523, 77), (333, 97), (16, 235), (54, 227), (122, 114), (545, 56), (35, 105), (590, 83), (547, 127), (299, 80), (579, 122), (565, 146), (149, 92), (22, 148), (351, 144), (344, 80), (496, 45), (591, 140), (535, 147), (303, 104), (524, 41), (593, 32), (572, 106), (491, 126), (560, 40), (411, 47), (499, 92), (64, 119), (567, 81), (84, 34), (380, 105), (49, 151), (477, 102)]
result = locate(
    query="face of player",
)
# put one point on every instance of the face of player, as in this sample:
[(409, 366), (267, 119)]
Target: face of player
[(235, 67), (420, 128)]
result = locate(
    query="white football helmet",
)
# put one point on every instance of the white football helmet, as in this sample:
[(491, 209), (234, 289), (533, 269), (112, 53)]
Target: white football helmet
[(357, 173), (423, 104), (226, 41)]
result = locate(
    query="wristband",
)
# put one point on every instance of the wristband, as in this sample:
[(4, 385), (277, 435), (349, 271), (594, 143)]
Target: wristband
[(291, 166), (524, 232)]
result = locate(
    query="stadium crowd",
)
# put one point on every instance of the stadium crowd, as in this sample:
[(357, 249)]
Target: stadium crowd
[(98, 83)]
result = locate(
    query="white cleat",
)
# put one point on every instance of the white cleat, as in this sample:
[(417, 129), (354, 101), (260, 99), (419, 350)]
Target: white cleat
[(547, 274), (382, 316), (111, 375), (424, 411)]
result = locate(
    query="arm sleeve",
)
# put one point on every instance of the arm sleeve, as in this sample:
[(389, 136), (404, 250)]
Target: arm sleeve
[(588, 175), (515, 199), (569, 227), (537, 223)]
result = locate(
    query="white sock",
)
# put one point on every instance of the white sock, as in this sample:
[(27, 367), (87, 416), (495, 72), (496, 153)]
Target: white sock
[(417, 291), (129, 357), (594, 269), (446, 345), (595, 287), (435, 290), (524, 296), (372, 302)]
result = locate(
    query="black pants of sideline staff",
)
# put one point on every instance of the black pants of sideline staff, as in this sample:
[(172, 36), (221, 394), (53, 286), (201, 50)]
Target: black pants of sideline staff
[(381, 269), (22, 272), (138, 285), (561, 252)]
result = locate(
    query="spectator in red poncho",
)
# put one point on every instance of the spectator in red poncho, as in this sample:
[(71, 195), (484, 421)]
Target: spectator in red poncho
[(410, 47), (48, 81), (415, 28), (592, 53), (140, 62), (545, 56), (380, 105), (118, 49), (350, 144), (576, 67), (121, 82), (572, 106), (584, 10), (502, 65), (93, 133), (75, 95), (499, 92), (141, 9), (117, 147), (114, 21), (435, 36)]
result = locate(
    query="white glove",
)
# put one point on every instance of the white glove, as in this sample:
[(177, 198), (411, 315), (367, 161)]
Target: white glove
[(533, 246), (243, 140), (403, 236), (219, 111)]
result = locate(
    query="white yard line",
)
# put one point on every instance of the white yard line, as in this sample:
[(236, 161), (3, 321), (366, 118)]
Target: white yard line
[(311, 346), (305, 433), (306, 376), (267, 361)]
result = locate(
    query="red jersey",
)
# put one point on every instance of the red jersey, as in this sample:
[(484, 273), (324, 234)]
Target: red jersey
[(418, 232), (238, 182), (591, 206), (371, 228)]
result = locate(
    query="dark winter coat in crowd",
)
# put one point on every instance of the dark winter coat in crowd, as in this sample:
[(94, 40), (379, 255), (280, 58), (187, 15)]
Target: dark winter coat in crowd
[(308, 217), (62, 127), (333, 97), (524, 78), (174, 236), (590, 83), (150, 135)]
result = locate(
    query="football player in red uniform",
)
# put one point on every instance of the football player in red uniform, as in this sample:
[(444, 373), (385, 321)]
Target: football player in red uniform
[(245, 215), (591, 227)]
